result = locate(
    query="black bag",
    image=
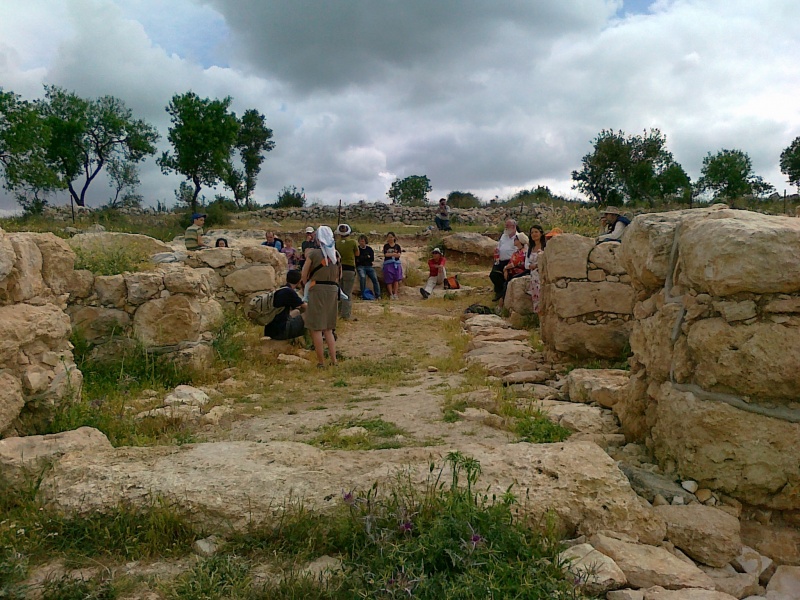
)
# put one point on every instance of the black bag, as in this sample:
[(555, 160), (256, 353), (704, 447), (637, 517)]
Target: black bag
[(479, 309)]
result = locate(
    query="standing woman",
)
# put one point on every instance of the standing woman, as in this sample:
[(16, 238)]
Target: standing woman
[(392, 269), (536, 246), (322, 271)]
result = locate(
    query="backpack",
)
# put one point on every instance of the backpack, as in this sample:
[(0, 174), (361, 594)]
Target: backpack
[(478, 309), (367, 295), (451, 283), (261, 308)]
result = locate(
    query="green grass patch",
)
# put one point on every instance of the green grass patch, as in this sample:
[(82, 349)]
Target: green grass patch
[(377, 435), (221, 576), (67, 588), (112, 261), (447, 540), (231, 341), (536, 428)]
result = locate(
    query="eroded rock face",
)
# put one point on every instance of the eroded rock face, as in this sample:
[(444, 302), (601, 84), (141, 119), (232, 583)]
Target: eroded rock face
[(517, 299), (501, 358), (602, 386), (257, 278), (174, 319), (129, 242), (228, 483), (471, 243), (579, 339), (567, 256), (98, 324), (706, 534)]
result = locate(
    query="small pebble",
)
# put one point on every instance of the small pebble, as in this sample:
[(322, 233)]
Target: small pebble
[(689, 486), (677, 500), (703, 494), (432, 369)]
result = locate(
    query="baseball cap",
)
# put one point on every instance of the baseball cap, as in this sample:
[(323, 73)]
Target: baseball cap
[(436, 251), (309, 230), (196, 216)]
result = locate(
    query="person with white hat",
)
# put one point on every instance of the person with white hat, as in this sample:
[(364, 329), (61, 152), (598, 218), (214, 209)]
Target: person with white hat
[(348, 250), (309, 242), (436, 273), (615, 223)]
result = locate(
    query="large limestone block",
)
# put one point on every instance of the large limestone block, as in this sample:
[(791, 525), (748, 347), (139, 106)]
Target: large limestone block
[(231, 483), (23, 324), (659, 593), (7, 256), (250, 280), (786, 581), (471, 243), (595, 571), (58, 261), (11, 399), (174, 319), (502, 358), (606, 340), (781, 544), (481, 322), (706, 534), (648, 243), (217, 258), (740, 251), (602, 386), (761, 359), (98, 324), (647, 566), (631, 408), (111, 290), (266, 255), (579, 418), (583, 297), (19, 455), (607, 257), (188, 281), (143, 286), (80, 284), (25, 280), (517, 299), (748, 456), (110, 241), (651, 341), (567, 256)]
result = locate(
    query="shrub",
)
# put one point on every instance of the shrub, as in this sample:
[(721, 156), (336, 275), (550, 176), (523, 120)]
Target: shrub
[(289, 197), (112, 261)]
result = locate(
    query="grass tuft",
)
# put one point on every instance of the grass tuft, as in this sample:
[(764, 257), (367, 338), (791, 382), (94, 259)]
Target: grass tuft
[(111, 261), (378, 435)]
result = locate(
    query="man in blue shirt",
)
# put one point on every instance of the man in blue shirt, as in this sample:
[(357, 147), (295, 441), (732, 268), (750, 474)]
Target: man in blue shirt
[(272, 241)]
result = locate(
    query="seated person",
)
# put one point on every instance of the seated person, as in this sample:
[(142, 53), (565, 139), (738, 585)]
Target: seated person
[(193, 238), (436, 273), (288, 324), (442, 218), (221, 243), (272, 241), (615, 224)]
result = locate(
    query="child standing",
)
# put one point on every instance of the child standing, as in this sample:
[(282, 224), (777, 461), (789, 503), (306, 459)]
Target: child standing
[(436, 273), (392, 269), (364, 260), (291, 254)]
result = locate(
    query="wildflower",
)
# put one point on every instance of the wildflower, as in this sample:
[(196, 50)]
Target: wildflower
[(348, 498), (406, 527)]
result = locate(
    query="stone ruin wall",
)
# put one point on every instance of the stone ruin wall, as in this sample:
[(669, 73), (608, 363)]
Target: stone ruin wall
[(715, 385), (173, 310), (586, 298)]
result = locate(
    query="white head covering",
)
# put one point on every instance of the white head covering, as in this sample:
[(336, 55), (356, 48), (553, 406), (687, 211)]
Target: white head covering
[(326, 243)]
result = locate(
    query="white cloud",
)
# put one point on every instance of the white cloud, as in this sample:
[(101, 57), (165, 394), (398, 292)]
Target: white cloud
[(482, 97)]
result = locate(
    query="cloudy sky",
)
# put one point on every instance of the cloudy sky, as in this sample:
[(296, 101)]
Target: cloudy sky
[(487, 96)]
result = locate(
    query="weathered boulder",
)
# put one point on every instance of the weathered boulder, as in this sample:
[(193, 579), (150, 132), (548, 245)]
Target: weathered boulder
[(22, 325), (193, 282), (526, 377), (11, 399), (174, 319), (780, 543), (602, 386), (749, 456), (566, 257), (502, 358), (217, 258), (584, 297), (607, 340), (98, 324), (80, 284), (143, 286), (257, 278), (58, 261), (645, 255), (579, 417), (266, 255), (111, 290), (22, 455), (647, 566), (595, 572), (649, 485), (607, 258), (785, 581), (517, 299), (25, 281), (659, 593), (705, 533), (7, 256), (108, 241), (233, 483), (471, 243), (477, 322)]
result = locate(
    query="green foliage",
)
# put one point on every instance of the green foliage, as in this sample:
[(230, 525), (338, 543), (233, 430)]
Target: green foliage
[(411, 191), (446, 541), (123, 177), (790, 163), (229, 343), (252, 141), (540, 195), (290, 197), (67, 588), (636, 168), (729, 174), (112, 261), (221, 577), (536, 428), (203, 135), (378, 435), (463, 200), (88, 134)]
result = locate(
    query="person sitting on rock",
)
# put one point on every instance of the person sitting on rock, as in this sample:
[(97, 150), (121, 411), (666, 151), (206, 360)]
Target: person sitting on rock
[(516, 264), (436, 273), (502, 254), (442, 218), (193, 238), (615, 223), (288, 324), (291, 254), (272, 241), (221, 243)]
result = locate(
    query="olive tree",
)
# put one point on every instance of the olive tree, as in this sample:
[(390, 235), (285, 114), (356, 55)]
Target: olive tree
[(790, 163)]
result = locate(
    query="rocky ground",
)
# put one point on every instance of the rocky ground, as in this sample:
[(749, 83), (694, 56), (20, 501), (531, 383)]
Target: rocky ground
[(416, 381)]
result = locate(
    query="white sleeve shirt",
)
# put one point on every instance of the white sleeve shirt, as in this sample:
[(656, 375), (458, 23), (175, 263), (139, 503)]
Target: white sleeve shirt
[(506, 247), (615, 235)]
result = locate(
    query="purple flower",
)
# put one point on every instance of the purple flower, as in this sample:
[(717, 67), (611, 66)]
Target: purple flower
[(406, 527), (348, 498)]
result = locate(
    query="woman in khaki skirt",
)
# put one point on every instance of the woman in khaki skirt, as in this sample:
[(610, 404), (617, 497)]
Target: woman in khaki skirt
[(322, 270)]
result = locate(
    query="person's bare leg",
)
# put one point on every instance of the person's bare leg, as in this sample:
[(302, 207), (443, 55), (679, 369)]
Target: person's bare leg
[(331, 341), (316, 337)]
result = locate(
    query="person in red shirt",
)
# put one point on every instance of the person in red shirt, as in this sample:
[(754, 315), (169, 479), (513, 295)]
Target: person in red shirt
[(437, 273)]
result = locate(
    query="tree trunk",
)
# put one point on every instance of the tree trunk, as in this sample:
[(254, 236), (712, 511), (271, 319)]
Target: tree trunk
[(196, 194)]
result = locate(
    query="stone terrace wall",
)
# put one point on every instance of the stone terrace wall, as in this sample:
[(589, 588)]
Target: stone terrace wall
[(37, 370), (716, 342), (586, 298)]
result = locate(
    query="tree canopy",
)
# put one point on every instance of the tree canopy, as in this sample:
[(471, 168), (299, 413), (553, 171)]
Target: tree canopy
[(457, 199), (729, 174), (411, 191), (790, 163), (622, 169), (252, 141), (290, 197)]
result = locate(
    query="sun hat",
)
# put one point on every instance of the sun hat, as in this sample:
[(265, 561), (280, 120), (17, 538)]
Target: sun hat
[(343, 230), (522, 238), (611, 210), (436, 251), (196, 216), (309, 230)]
